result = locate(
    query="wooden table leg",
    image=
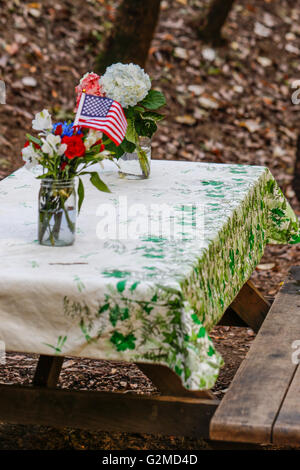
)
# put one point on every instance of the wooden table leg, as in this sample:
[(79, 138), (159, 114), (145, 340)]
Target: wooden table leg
[(230, 318), (249, 306), (47, 371), (169, 383)]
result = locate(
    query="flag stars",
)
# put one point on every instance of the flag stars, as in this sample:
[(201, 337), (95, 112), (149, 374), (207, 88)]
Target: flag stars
[(96, 106)]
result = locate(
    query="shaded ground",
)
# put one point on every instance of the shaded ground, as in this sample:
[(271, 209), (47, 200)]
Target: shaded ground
[(231, 105)]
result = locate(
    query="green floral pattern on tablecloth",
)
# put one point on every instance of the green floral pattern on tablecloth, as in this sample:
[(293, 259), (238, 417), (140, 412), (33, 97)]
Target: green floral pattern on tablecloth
[(149, 299)]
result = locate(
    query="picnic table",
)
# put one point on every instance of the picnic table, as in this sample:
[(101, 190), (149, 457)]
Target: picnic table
[(150, 299)]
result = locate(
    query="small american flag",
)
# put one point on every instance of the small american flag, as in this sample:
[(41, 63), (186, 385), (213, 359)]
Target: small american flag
[(102, 114)]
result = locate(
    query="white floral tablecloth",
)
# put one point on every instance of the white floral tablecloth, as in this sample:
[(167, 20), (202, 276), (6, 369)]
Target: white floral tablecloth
[(149, 299)]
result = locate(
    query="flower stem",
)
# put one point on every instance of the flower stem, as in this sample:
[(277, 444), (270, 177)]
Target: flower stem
[(144, 161), (71, 224)]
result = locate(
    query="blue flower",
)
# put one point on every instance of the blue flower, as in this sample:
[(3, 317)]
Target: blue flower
[(67, 129)]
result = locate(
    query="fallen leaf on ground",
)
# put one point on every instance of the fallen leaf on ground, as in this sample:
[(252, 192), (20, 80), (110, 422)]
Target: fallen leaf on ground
[(29, 81), (268, 20), (12, 49), (181, 53), (34, 12), (168, 37), (209, 54), (68, 364), (265, 267), (290, 36), (292, 49), (250, 125), (186, 119), (34, 5), (208, 102), (290, 193), (196, 89), (261, 30), (264, 61), (272, 292), (238, 89), (278, 151)]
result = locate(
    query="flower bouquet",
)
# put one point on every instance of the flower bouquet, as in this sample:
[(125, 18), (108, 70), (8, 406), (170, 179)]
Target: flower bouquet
[(130, 86), (63, 153)]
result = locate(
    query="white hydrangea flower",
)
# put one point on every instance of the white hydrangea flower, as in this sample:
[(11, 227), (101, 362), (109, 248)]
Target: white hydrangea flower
[(42, 121), (92, 138), (126, 83), (30, 157), (52, 144)]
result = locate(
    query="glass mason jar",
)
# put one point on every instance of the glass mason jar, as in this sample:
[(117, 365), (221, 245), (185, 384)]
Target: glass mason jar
[(57, 212), (136, 165)]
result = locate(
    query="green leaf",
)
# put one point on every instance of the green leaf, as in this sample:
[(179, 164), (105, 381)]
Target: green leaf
[(147, 308), (178, 370), (94, 150), (45, 175), (118, 151), (103, 308), (134, 286), (152, 116), (117, 314), (129, 112), (131, 135), (123, 342), (98, 183), (127, 146), (139, 109), (201, 332), (80, 191), (145, 127), (121, 286), (34, 139), (154, 100), (168, 289), (196, 319)]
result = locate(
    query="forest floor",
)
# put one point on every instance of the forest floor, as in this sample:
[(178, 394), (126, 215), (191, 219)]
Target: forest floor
[(226, 105)]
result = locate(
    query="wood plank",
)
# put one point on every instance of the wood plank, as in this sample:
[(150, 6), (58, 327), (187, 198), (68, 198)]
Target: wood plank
[(47, 371), (169, 383), (251, 306), (286, 430), (122, 412), (250, 407)]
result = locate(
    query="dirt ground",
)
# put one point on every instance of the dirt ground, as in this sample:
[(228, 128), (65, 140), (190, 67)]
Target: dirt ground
[(231, 104)]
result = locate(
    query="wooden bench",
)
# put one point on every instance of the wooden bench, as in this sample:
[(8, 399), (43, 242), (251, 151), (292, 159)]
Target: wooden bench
[(262, 404)]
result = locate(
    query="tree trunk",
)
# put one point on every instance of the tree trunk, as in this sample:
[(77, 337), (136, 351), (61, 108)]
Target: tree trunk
[(296, 179), (132, 33), (217, 15)]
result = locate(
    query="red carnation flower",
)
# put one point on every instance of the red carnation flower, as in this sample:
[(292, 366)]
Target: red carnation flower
[(63, 166), (58, 130), (75, 146)]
